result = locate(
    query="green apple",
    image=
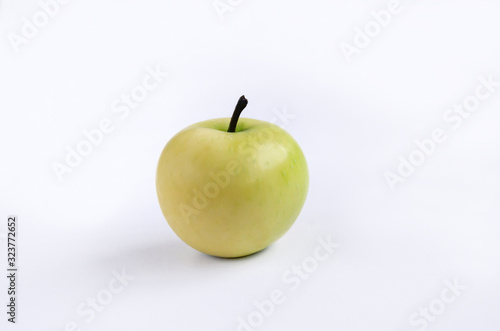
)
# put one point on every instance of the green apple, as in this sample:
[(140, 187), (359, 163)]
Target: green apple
[(231, 192)]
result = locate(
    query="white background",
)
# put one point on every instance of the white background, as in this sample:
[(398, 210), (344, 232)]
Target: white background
[(353, 120)]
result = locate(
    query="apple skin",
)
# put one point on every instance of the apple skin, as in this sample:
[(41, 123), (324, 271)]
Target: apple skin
[(231, 194)]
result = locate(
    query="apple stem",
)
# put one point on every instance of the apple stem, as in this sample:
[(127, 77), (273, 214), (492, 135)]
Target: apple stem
[(242, 103)]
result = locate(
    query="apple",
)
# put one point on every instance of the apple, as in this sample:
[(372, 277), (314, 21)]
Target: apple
[(231, 191)]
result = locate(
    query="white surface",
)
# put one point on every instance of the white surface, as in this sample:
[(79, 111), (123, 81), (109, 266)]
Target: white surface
[(352, 121)]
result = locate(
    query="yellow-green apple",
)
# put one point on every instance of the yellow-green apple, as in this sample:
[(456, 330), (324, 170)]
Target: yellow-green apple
[(231, 190)]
